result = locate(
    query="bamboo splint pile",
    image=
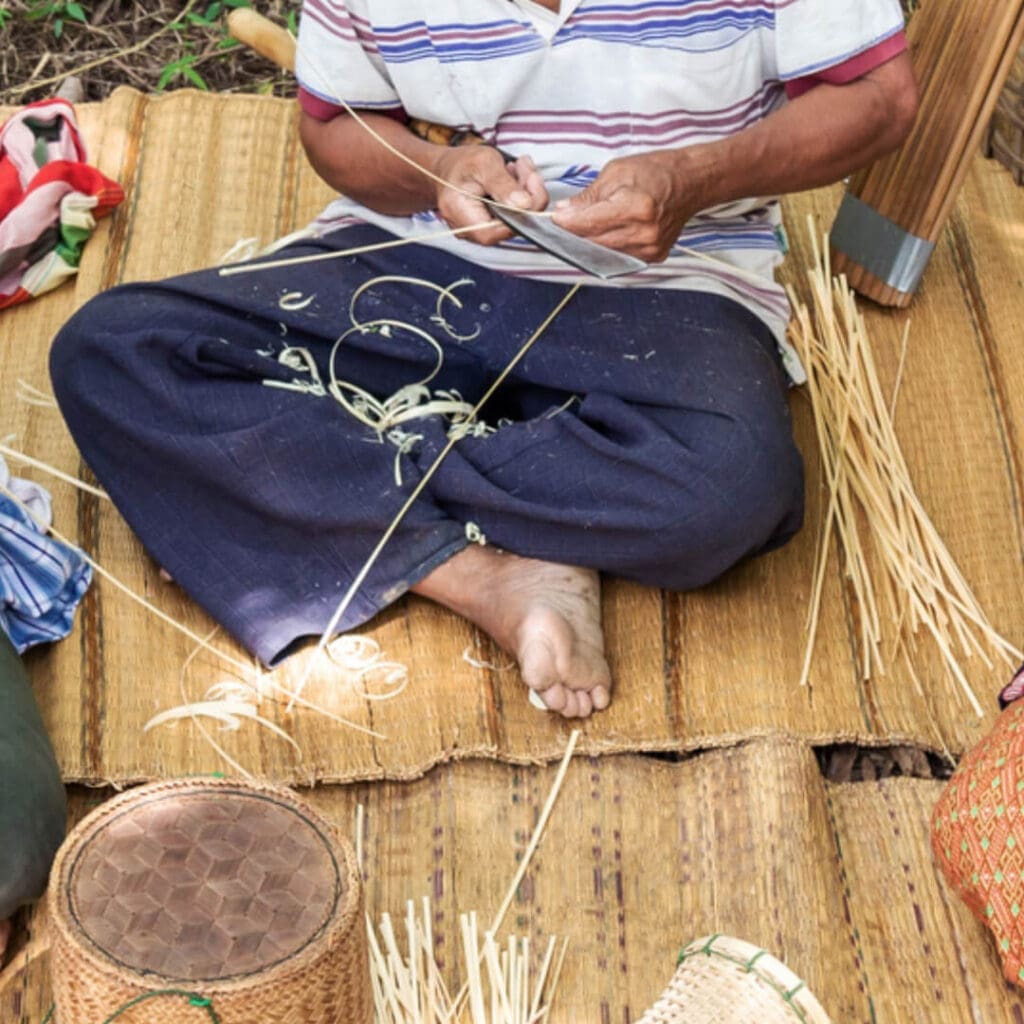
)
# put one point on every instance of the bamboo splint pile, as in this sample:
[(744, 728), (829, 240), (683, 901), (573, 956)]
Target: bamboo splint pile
[(896, 564), (499, 988), (407, 985)]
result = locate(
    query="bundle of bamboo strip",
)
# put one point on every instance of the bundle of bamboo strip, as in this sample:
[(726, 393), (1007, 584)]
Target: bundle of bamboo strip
[(895, 210), (893, 557)]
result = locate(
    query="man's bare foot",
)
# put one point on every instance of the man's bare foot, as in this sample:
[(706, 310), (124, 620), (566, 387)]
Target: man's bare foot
[(547, 616), (5, 937)]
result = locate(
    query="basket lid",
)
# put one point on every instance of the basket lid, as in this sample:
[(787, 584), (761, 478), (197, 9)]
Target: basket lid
[(200, 881)]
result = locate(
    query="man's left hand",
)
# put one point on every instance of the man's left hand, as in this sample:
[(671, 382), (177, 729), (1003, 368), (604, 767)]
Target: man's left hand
[(637, 205)]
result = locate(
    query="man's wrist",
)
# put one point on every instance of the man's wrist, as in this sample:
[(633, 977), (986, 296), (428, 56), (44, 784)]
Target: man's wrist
[(700, 175)]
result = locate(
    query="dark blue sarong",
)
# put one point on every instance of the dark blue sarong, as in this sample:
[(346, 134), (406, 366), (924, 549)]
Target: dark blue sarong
[(673, 461)]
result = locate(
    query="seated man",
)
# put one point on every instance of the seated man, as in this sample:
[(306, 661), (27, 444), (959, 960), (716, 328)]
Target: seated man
[(646, 433)]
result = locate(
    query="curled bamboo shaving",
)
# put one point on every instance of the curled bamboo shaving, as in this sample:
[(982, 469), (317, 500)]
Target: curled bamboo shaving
[(230, 702), (294, 302), (469, 659), (361, 658), (31, 395), (227, 704), (244, 249), (387, 417), (897, 566), (424, 480)]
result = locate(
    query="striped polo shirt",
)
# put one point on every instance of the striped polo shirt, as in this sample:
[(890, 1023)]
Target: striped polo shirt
[(597, 80)]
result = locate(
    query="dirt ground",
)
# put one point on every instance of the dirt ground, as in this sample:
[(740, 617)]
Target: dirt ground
[(152, 45)]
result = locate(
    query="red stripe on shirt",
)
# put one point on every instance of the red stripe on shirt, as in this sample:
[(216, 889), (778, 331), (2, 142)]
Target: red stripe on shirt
[(852, 69)]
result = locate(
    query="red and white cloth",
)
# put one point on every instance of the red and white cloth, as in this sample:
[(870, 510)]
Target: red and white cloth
[(50, 198)]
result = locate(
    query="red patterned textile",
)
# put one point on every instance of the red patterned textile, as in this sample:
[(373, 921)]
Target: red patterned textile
[(978, 835)]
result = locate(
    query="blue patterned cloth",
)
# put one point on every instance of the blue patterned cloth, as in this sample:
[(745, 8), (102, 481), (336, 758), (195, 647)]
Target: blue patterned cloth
[(41, 580)]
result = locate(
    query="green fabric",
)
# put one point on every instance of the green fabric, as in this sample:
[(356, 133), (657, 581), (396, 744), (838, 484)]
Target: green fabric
[(72, 242), (32, 802)]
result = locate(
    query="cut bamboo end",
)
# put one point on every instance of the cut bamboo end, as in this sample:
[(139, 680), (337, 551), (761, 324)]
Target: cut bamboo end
[(962, 55), (867, 284)]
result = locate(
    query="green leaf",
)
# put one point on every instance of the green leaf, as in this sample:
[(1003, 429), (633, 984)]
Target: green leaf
[(165, 76), (58, 27), (293, 23), (234, 4), (75, 11), (195, 78)]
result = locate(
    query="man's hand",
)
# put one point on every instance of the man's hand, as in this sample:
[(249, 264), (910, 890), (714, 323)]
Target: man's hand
[(638, 205), (353, 162), (482, 171)]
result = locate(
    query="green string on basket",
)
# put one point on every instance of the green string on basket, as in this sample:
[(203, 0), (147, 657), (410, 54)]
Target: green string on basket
[(709, 950), (194, 999)]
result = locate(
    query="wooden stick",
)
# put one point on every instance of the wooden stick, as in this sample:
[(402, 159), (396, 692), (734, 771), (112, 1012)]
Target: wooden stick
[(394, 243)]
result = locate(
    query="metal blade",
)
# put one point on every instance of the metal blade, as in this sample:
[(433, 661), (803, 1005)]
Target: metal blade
[(587, 256)]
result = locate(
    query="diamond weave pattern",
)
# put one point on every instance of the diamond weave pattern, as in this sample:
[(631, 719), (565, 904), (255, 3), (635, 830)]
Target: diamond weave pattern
[(198, 888), (978, 835)]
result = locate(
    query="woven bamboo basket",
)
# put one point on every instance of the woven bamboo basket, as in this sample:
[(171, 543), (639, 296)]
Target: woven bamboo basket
[(206, 900), (721, 980)]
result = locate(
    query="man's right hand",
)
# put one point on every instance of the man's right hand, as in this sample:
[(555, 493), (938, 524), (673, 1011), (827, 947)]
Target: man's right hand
[(482, 171)]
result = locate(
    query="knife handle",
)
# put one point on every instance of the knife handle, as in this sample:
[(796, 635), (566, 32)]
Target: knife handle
[(444, 135)]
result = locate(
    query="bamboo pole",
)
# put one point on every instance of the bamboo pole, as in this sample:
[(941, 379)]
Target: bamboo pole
[(895, 210)]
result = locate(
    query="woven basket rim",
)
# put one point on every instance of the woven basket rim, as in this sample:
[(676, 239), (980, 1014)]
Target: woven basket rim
[(339, 927), (791, 988)]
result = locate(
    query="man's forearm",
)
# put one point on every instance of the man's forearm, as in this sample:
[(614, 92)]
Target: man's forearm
[(639, 204), (352, 161), (815, 140)]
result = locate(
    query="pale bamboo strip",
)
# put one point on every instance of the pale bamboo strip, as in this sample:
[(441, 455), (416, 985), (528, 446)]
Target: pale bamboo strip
[(900, 559)]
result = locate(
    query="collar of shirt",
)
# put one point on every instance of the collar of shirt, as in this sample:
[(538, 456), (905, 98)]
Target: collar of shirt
[(546, 21)]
